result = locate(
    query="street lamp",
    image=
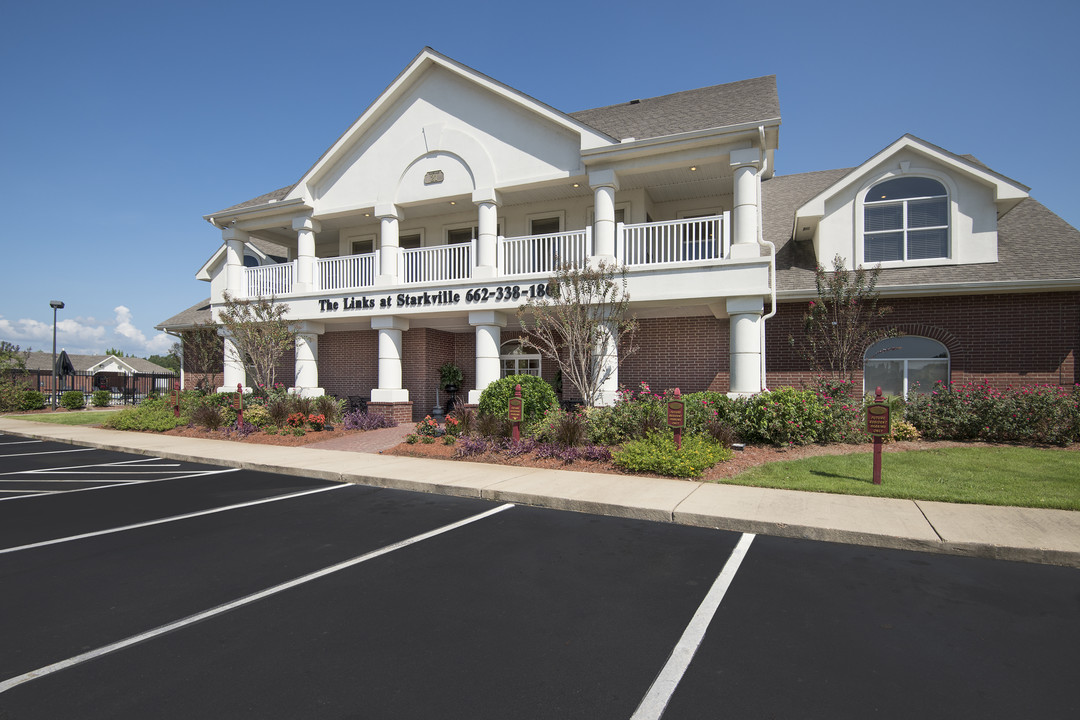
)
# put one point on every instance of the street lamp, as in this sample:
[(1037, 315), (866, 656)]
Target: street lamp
[(55, 305)]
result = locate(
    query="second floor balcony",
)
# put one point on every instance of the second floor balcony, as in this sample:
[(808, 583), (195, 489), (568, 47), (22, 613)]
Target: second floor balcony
[(642, 246)]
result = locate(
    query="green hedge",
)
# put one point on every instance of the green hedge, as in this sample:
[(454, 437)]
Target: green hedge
[(538, 397)]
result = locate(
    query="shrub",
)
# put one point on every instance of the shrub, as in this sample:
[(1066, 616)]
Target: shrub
[(904, 431), (330, 408), (427, 439), (536, 394), (411, 438), (449, 439), (783, 417), (279, 408), (73, 400), (240, 429), (466, 421), (452, 427), (209, 416), (471, 446), (657, 453), (568, 429), (101, 398), (256, 415), (31, 400), (152, 416), (721, 432), (428, 427), (316, 421), (494, 426), (363, 420)]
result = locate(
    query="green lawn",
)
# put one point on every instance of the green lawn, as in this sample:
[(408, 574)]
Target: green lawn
[(1022, 476), (85, 417)]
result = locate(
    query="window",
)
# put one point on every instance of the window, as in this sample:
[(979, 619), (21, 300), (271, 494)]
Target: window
[(906, 218), (545, 226), (904, 365), (363, 247), (251, 261), (410, 242), (457, 235), (516, 359)]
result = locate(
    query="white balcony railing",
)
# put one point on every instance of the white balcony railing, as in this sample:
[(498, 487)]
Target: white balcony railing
[(673, 241), (269, 280), (442, 262), (346, 273), (543, 253)]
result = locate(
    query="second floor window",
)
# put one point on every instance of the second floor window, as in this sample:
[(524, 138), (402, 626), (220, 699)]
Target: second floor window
[(906, 218)]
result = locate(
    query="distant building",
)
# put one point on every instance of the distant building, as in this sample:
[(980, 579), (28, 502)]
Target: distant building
[(417, 234)]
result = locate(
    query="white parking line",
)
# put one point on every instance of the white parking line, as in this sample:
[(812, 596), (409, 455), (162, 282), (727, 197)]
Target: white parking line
[(47, 452), (39, 492), (76, 467), (123, 482), (21, 442), (172, 518), (198, 617), (663, 687)]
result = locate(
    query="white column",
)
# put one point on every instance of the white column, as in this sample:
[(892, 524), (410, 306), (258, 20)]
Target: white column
[(389, 248), (744, 216), (306, 377), (487, 202), (390, 328), (745, 366), (488, 324), (235, 373), (604, 184), (606, 355), (305, 228), (234, 262)]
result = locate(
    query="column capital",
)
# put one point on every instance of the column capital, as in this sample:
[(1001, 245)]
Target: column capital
[(310, 327), (746, 305), (746, 156), (487, 317), (305, 222), (389, 322), (486, 195), (603, 178), (232, 233), (387, 210)]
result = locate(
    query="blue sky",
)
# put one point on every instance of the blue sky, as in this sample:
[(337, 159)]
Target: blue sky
[(123, 123)]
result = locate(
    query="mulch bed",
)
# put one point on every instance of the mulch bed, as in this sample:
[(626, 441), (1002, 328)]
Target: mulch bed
[(262, 438)]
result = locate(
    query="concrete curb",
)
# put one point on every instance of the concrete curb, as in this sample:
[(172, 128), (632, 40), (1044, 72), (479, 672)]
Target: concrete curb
[(1050, 537)]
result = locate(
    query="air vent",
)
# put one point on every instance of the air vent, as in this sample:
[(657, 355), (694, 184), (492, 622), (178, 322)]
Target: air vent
[(635, 102)]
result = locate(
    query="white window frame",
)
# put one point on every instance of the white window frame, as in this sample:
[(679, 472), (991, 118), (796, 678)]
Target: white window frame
[(504, 356), (950, 235), (473, 225), (947, 359), (413, 231), (561, 214)]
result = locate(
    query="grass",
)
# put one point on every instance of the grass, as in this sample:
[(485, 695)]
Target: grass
[(1020, 476), (85, 417)]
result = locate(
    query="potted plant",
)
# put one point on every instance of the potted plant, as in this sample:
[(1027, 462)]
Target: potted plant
[(450, 377)]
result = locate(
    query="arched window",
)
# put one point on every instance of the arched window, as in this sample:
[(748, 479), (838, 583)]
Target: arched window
[(906, 218), (905, 364), (516, 359)]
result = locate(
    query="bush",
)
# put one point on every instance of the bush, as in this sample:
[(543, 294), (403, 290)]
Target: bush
[(73, 400), (466, 421), (150, 415), (657, 453), (101, 398), (330, 407), (783, 417), (536, 394), (31, 400), (256, 415), (209, 416), (568, 429), (362, 420), (279, 408), (428, 427)]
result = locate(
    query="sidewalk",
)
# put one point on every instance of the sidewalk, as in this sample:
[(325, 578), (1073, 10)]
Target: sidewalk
[(1008, 533)]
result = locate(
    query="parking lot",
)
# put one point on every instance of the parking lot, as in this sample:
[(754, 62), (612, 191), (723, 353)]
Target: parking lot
[(136, 587)]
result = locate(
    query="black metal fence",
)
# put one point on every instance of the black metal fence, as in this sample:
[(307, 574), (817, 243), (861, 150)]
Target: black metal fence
[(123, 389)]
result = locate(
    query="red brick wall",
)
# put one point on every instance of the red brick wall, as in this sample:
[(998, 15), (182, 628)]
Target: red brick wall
[(349, 362), (691, 354)]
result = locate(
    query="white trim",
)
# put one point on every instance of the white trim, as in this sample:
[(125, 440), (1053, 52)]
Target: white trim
[(530, 217), (952, 192)]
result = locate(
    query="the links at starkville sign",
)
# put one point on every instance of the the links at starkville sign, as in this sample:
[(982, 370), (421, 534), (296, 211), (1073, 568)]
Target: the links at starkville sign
[(437, 299)]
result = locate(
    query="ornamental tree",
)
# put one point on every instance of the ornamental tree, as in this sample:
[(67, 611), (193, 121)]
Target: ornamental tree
[(260, 332), (579, 323), (842, 322), (201, 353)]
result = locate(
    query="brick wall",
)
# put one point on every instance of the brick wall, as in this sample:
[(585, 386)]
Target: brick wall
[(688, 353)]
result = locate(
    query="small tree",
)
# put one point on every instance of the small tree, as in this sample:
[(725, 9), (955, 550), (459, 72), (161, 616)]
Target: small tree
[(583, 315), (202, 353), (260, 333), (838, 325)]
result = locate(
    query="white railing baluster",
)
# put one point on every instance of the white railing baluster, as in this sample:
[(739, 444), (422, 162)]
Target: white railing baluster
[(691, 240)]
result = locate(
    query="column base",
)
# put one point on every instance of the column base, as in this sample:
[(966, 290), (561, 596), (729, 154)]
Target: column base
[(307, 392), (399, 411), (227, 389), (380, 395), (484, 272)]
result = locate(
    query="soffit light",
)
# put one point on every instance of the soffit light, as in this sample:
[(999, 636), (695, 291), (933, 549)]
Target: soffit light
[(693, 168)]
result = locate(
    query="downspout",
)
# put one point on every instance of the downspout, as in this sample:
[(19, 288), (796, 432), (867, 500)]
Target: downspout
[(772, 250)]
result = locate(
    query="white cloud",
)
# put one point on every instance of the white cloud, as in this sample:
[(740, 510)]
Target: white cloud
[(158, 344), (86, 335)]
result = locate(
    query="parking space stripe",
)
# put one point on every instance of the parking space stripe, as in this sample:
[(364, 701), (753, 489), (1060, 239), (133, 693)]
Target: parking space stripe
[(656, 699), (198, 617), (172, 518), (126, 482), (75, 467), (21, 442), (48, 452)]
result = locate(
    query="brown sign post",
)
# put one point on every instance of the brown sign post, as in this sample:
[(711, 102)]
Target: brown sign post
[(238, 404), (174, 399), (676, 417), (879, 426), (516, 412)]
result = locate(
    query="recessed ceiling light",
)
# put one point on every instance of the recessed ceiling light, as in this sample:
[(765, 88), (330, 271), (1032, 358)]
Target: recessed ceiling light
[(367, 214), (693, 168), (453, 202), (577, 184)]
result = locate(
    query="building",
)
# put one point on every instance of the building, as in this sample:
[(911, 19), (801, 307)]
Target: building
[(124, 377), (413, 239)]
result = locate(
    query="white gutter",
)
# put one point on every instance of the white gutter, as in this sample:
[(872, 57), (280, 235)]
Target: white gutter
[(771, 246)]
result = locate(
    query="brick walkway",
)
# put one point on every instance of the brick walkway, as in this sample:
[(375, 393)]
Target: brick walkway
[(372, 441)]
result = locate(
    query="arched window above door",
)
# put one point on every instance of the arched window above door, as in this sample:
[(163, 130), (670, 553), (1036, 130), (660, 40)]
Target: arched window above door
[(903, 365)]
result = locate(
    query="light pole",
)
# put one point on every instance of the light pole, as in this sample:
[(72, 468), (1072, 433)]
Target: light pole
[(55, 305)]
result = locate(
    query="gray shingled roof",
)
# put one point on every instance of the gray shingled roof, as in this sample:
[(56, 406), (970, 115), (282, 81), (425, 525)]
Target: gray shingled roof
[(701, 109), (261, 200), (1033, 242), (40, 360), (197, 314)]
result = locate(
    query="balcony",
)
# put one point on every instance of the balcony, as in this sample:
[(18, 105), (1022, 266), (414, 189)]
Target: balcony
[(639, 247)]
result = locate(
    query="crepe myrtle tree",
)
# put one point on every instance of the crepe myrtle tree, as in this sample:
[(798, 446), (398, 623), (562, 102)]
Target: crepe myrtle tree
[(843, 321), (578, 323), (260, 332), (201, 353)]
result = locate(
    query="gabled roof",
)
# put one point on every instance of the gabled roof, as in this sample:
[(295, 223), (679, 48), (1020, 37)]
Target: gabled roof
[(705, 108), (40, 360), (198, 314)]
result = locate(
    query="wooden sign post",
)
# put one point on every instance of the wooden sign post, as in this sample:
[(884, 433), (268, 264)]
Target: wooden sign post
[(878, 425), (174, 399), (676, 417), (238, 404), (516, 411)]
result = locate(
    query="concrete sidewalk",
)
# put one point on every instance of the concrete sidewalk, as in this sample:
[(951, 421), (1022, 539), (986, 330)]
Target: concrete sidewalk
[(1008, 533)]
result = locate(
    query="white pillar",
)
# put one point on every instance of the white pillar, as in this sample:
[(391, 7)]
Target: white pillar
[(306, 377), (487, 233), (389, 247), (234, 262), (745, 366), (235, 373), (604, 184), (488, 324), (744, 216), (305, 228), (606, 355), (390, 329)]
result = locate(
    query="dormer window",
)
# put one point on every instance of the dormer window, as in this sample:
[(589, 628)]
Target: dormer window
[(906, 218)]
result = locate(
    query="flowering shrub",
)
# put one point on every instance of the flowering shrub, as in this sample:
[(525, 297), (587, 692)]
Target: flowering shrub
[(296, 420), (657, 453), (783, 417), (428, 427), (361, 420), (1042, 414), (452, 427), (316, 420)]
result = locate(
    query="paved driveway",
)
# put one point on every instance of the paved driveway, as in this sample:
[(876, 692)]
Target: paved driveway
[(217, 593)]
